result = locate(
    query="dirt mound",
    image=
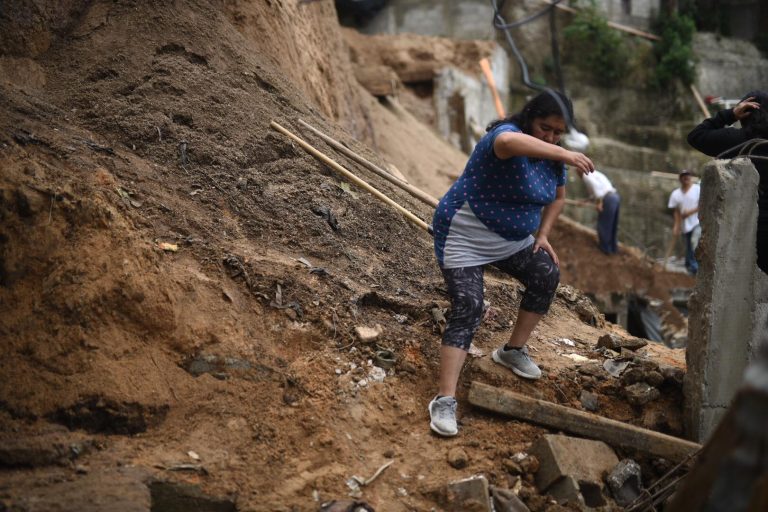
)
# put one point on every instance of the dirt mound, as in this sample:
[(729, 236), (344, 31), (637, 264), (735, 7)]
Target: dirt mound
[(179, 284)]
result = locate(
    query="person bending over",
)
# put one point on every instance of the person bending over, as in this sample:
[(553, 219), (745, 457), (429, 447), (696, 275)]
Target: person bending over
[(607, 202), (714, 137), (500, 212)]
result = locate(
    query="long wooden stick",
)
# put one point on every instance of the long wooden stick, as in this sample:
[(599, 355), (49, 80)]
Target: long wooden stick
[(700, 102), (581, 423), (617, 26), (670, 248), (351, 177), (486, 67), (415, 192), (576, 202)]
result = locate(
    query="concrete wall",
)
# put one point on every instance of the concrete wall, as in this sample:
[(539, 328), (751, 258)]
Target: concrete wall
[(728, 67), (463, 101), (721, 336), (471, 19), (459, 19), (636, 13)]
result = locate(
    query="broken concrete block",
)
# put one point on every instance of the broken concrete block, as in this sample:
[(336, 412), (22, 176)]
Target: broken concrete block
[(504, 500), (566, 490), (469, 495), (625, 482), (641, 393), (561, 456), (368, 334), (583, 493)]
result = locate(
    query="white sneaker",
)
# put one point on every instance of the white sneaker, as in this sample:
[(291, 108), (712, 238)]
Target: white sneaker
[(517, 360), (442, 415)]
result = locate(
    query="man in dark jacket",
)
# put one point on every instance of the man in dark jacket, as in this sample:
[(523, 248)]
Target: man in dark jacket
[(715, 137)]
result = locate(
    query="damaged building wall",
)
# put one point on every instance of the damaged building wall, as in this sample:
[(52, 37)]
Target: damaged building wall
[(464, 103), (726, 303)]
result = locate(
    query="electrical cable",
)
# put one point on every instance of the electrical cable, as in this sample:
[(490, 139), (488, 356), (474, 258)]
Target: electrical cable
[(741, 147), (578, 139)]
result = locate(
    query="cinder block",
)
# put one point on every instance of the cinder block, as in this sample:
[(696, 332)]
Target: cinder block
[(582, 459), (469, 495)]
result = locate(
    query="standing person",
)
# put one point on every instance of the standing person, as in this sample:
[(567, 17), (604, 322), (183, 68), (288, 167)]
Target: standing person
[(685, 201), (607, 203), (714, 137), (500, 212)]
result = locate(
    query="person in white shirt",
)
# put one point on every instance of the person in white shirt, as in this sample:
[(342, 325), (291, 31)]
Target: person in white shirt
[(607, 202), (685, 201)]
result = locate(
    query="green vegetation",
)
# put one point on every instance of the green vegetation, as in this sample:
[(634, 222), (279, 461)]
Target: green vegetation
[(674, 53), (599, 49)]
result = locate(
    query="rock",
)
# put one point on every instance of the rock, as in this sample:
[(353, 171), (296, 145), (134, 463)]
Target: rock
[(625, 482), (593, 369), (469, 495), (562, 456), (530, 464), (505, 500), (615, 368), (641, 393), (588, 401), (632, 376), (368, 334), (672, 375), (616, 342), (654, 379), (512, 467), (458, 458)]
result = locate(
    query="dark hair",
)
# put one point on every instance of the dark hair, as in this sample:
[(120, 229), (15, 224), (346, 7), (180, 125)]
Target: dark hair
[(756, 123), (543, 105)]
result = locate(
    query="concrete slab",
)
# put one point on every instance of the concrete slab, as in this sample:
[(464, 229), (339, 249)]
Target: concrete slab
[(582, 459)]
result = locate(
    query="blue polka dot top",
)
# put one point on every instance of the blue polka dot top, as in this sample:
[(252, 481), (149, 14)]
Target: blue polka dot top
[(507, 195)]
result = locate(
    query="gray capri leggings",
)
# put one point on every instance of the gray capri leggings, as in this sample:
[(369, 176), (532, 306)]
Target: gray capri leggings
[(536, 271)]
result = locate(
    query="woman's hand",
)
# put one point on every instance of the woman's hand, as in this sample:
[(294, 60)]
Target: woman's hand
[(580, 161), (542, 243), (744, 109)]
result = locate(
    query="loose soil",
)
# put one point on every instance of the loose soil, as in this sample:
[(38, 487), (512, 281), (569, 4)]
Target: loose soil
[(179, 283)]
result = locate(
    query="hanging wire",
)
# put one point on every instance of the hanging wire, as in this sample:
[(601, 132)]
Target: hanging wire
[(501, 24)]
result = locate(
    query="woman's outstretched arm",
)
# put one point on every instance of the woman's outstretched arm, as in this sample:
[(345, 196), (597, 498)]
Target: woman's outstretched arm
[(510, 144)]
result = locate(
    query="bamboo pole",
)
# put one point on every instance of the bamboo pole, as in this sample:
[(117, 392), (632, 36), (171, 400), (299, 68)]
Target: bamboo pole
[(576, 202), (617, 26), (351, 177), (700, 102), (415, 192), (486, 67)]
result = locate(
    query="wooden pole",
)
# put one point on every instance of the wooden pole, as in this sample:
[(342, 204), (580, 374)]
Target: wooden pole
[(583, 204), (351, 177), (700, 102), (617, 26), (485, 65), (581, 423), (415, 192), (670, 247)]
